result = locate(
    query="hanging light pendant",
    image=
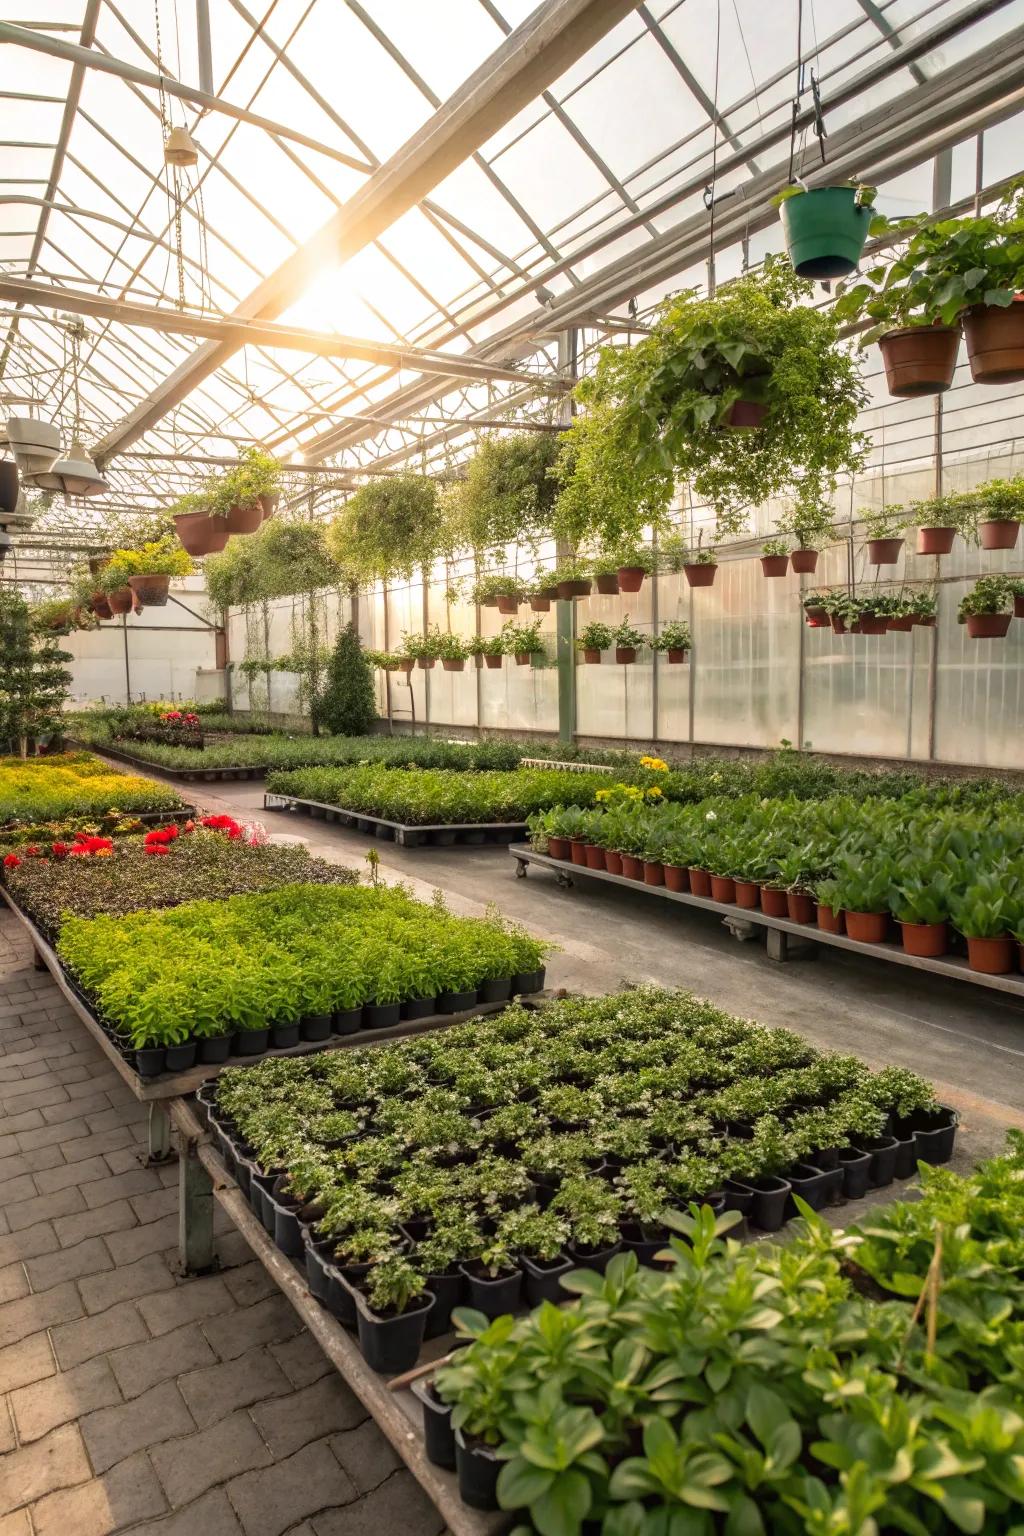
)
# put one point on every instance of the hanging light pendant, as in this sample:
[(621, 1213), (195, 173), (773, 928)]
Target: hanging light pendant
[(34, 443), (77, 475), (180, 148)]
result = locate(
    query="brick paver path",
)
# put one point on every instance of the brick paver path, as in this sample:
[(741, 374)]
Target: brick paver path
[(132, 1400)]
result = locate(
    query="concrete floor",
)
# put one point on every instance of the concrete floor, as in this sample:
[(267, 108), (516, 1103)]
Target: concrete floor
[(131, 1400)]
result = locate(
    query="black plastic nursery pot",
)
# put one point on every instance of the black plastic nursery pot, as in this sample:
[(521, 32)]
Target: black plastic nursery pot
[(906, 1154), (478, 1467), (934, 1133), (346, 1021), (214, 1050), (596, 1259), (381, 1015), (318, 1268), (284, 1036), (647, 1242), (447, 1292), (542, 1279), (528, 981), (419, 1007), (150, 1061), (497, 990), (455, 1002), (811, 1184), (250, 1042), (770, 1199), (856, 1168), (738, 1197), (438, 1434), (391, 1345), (493, 1297), (883, 1150), (287, 1232), (181, 1057), (316, 1026)]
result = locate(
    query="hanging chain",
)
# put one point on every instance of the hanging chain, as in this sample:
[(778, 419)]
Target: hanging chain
[(165, 127)]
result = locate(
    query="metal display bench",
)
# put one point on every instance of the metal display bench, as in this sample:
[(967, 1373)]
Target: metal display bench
[(477, 834), (783, 937)]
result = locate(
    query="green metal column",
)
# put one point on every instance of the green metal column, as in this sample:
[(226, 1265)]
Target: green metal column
[(566, 611)]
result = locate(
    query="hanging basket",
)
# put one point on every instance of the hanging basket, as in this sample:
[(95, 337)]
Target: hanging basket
[(494, 662), (631, 578), (120, 601), (425, 662), (999, 533), (775, 565), (607, 584), (268, 505), (700, 575), (871, 624), (825, 231), (884, 551), (201, 534), (995, 342), (150, 591), (988, 626), (523, 658), (507, 604), (676, 656), (100, 606), (406, 665), (571, 589), (625, 655), (244, 519), (921, 359), (804, 561), (592, 657), (453, 664), (540, 604), (1018, 606), (902, 625), (935, 541), (816, 618)]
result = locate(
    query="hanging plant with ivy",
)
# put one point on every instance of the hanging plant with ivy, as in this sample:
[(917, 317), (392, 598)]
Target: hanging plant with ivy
[(662, 412), (509, 489), (391, 527)]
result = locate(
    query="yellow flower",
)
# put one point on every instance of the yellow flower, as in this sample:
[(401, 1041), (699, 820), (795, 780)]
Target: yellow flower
[(602, 794), (655, 793)]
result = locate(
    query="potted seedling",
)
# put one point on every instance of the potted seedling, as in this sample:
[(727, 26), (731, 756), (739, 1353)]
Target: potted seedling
[(826, 227), (541, 591), (986, 912), (627, 642), (862, 888), (987, 608), (593, 1211), (999, 506), (673, 641), (592, 640), (572, 579), (452, 652), (538, 1238), (493, 1280), (510, 593), (885, 534), (775, 557), (938, 521), (816, 613), (920, 904), (701, 567), (392, 1315), (523, 641)]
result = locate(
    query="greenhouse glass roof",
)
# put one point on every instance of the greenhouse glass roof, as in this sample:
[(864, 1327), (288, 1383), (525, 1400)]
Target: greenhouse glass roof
[(430, 195)]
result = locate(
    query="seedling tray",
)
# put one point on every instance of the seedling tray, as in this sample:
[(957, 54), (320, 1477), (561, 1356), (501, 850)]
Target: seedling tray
[(779, 929), (467, 834), (190, 775)]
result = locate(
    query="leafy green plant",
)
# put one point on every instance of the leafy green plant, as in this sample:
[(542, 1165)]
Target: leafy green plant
[(990, 594), (624, 635), (347, 704), (522, 639), (989, 907), (885, 522), (509, 490), (775, 547), (390, 527), (673, 636), (595, 637)]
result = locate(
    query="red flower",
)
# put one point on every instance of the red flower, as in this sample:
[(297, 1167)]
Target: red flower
[(156, 848), (32, 851), (80, 849), (11, 861), (59, 850)]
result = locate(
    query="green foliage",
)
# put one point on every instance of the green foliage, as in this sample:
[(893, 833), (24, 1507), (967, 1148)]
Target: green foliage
[(347, 705), (654, 413), (594, 636), (283, 558), (435, 797), (392, 526), (775, 547), (163, 557), (673, 636), (625, 636), (44, 789), (990, 594), (522, 639), (887, 522), (509, 490), (33, 678)]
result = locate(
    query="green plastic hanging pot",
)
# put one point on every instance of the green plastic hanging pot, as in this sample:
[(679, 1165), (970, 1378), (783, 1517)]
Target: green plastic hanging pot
[(825, 231)]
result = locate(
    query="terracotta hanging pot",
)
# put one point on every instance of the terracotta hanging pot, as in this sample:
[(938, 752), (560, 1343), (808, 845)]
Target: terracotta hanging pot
[(804, 561), (607, 584), (999, 533), (631, 578), (700, 575), (549, 592), (676, 656), (406, 665), (571, 589), (453, 663), (921, 359), (120, 601), (884, 551), (201, 534), (507, 604), (988, 626), (494, 662), (523, 658), (870, 624), (935, 541), (625, 655), (1018, 606), (98, 563), (592, 657), (150, 591), (100, 606), (426, 662), (904, 624), (838, 623), (995, 342), (816, 618), (745, 415), (242, 519), (540, 604), (775, 565)]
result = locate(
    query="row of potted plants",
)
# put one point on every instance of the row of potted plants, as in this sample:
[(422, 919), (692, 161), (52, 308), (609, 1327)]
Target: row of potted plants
[(250, 973), (870, 612), (989, 515), (785, 1388), (673, 640), (489, 1161), (239, 501), (830, 862)]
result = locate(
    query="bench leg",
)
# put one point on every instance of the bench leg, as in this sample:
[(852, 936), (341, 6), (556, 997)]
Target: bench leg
[(778, 944), (38, 963), (159, 1133), (195, 1213)]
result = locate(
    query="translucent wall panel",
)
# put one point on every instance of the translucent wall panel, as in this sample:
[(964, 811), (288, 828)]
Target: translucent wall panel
[(614, 700), (746, 657)]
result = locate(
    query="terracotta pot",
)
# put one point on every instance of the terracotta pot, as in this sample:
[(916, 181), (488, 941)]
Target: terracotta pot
[(775, 565), (406, 666), (935, 541), (508, 604), (700, 575), (988, 626), (549, 592), (494, 662), (748, 894), (745, 415), (838, 623), (592, 657), (488, 602), (723, 888), (570, 589), (992, 956), (452, 663), (632, 867), (594, 856), (700, 881), (870, 625), (677, 656), (815, 617), (857, 627), (800, 907), (607, 585), (540, 604), (925, 623), (867, 927), (268, 505), (829, 921), (884, 551), (654, 872), (120, 601), (100, 607), (921, 359), (904, 624), (613, 861), (242, 519), (200, 533), (1018, 606), (773, 902), (804, 561), (631, 578), (523, 658), (625, 655), (995, 343), (578, 850), (558, 847), (98, 563), (998, 533), (150, 591), (676, 878), (425, 662), (927, 940)]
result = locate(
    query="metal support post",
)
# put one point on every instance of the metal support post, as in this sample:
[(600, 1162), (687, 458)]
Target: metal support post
[(195, 1211), (565, 612), (159, 1133)]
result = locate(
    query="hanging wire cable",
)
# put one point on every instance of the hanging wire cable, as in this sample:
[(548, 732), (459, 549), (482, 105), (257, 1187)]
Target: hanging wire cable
[(710, 189)]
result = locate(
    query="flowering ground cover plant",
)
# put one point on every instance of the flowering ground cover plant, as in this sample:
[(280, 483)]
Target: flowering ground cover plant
[(157, 870), (175, 727), (41, 789), (607, 1110), (849, 1382), (425, 797), (211, 968)]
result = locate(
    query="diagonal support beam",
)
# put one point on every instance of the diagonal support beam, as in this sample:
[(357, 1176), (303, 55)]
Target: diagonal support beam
[(234, 333), (551, 39)]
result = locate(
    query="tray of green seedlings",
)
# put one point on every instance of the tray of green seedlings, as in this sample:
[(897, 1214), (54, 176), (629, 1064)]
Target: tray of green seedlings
[(483, 1164), (281, 966)]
